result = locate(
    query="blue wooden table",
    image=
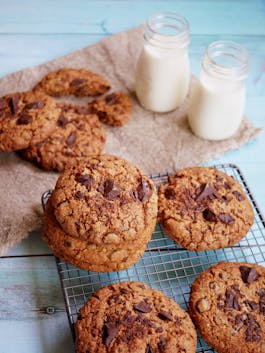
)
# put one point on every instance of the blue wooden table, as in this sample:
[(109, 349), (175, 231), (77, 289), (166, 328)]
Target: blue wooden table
[(32, 311)]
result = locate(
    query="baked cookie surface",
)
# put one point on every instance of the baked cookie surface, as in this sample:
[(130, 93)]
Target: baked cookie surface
[(77, 136), (114, 109), (202, 208), (105, 197), (131, 317), (26, 118), (227, 304), (107, 257), (79, 82)]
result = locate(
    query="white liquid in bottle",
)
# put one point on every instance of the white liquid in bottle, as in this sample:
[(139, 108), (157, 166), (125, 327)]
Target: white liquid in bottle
[(217, 100), (163, 71)]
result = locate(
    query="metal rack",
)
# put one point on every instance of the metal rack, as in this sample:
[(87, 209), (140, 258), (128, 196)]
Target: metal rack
[(165, 265)]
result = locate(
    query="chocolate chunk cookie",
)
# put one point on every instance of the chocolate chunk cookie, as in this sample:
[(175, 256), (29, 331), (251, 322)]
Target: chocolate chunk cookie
[(79, 82), (103, 197), (77, 136), (26, 118), (109, 256), (227, 304), (130, 317), (202, 208), (114, 109)]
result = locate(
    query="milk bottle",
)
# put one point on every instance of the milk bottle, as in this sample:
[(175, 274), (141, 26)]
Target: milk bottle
[(163, 70), (217, 99)]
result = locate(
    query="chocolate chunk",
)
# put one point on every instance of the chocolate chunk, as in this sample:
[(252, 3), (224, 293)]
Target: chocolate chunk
[(124, 291), (67, 244), (109, 189), (110, 331), (85, 180), (77, 226), (62, 121), (128, 319), (209, 215), (34, 105), (101, 115), (24, 119), (148, 349), (207, 191), (253, 332), (95, 332), (261, 294), (226, 218), (159, 330), (248, 274), (231, 300), (77, 82), (170, 194), (13, 104), (70, 141), (142, 306), (164, 315), (162, 343), (227, 185), (79, 195), (143, 190), (238, 196), (112, 99), (253, 305)]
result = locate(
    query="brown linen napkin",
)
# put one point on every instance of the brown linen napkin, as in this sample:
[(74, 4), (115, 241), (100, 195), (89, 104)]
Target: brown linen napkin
[(154, 142)]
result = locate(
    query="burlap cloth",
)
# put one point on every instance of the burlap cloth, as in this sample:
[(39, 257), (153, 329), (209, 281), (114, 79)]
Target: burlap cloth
[(154, 142)]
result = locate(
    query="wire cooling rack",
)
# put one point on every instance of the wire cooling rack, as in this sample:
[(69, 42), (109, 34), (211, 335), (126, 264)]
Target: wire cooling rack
[(165, 265)]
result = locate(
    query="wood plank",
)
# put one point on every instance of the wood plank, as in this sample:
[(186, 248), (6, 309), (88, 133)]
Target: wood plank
[(81, 16), (28, 286)]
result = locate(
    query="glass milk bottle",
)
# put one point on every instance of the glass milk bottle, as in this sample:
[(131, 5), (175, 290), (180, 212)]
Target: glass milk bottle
[(217, 100), (163, 71)]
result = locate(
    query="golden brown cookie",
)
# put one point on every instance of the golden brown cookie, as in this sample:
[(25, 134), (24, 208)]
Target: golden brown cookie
[(202, 208), (227, 304), (26, 118), (131, 317), (114, 109), (109, 256), (105, 195), (79, 82), (77, 136)]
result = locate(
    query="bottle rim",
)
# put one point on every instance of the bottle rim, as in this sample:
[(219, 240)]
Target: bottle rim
[(178, 27), (226, 59)]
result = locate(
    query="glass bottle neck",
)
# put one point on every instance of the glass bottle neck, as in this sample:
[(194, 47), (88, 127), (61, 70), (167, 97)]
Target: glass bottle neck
[(167, 30), (226, 60)]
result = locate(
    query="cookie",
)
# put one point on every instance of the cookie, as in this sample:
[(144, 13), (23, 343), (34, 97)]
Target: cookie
[(107, 257), (26, 118), (104, 197), (77, 136), (79, 82), (202, 208), (114, 109), (131, 317), (227, 304)]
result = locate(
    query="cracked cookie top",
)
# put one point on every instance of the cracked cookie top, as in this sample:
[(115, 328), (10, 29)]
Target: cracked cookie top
[(77, 136), (202, 208), (229, 299), (131, 317), (105, 199), (67, 81), (26, 118)]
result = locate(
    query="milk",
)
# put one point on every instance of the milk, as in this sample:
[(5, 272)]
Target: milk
[(216, 107), (162, 78)]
